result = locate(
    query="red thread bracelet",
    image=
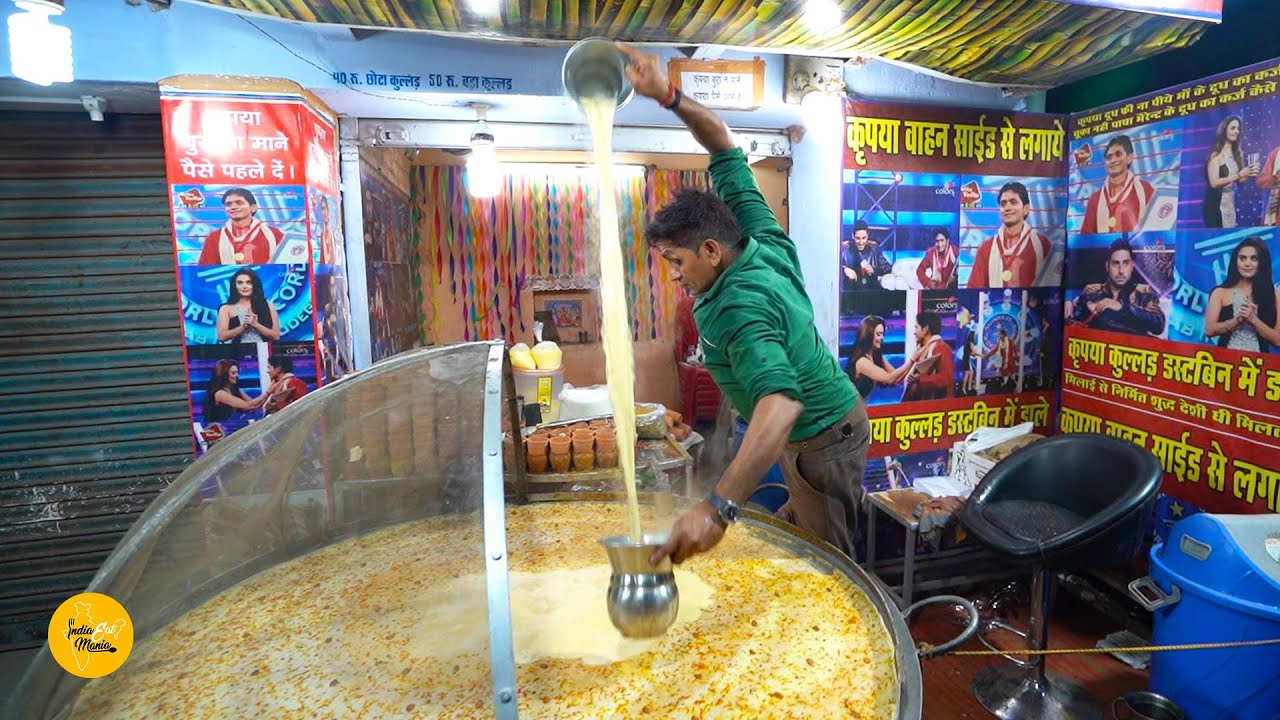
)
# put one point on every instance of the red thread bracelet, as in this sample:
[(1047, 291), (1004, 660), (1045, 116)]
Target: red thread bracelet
[(671, 94)]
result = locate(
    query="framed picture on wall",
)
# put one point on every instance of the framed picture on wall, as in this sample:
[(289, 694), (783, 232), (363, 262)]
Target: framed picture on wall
[(568, 317)]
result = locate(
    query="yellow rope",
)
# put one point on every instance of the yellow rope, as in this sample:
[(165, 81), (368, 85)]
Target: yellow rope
[(926, 648)]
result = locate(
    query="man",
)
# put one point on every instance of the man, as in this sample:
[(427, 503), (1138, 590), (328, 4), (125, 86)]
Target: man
[(863, 264), (1120, 204), (760, 343), (1015, 256), (244, 240), (1269, 180), (933, 376), (937, 270), (1007, 354), (1121, 304), (284, 387)]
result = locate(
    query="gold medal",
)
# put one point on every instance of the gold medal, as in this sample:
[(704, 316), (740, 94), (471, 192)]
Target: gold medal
[(1007, 276), (239, 257), (1111, 222)]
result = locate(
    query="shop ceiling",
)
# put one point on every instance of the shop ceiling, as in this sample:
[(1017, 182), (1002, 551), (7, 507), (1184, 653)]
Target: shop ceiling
[(1028, 43)]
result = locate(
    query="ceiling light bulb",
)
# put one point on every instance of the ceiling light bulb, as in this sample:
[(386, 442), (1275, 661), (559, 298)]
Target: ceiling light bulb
[(822, 16), (39, 51), (484, 172)]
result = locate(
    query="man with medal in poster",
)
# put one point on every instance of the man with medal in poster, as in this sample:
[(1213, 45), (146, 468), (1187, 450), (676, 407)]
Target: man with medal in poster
[(244, 240), (1016, 255), (1121, 203)]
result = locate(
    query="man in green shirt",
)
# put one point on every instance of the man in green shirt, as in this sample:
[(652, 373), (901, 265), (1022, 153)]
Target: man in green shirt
[(760, 343)]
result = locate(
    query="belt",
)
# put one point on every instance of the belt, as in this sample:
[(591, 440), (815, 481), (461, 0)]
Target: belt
[(836, 432)]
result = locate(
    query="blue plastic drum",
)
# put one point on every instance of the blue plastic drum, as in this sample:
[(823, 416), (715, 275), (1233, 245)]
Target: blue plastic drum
[(1217, 579)]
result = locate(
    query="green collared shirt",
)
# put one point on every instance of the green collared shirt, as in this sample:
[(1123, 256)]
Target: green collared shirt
[(756, 321)]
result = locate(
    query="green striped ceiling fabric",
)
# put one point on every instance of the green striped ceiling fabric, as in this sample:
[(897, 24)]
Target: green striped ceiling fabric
[(1008, 42)]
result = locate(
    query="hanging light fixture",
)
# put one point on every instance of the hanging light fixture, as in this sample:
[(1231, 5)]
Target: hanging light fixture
[(39, 51), (484, 172)]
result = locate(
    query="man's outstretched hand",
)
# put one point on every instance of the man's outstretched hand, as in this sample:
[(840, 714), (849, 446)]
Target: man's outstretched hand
[(645, 73), (697, 531)]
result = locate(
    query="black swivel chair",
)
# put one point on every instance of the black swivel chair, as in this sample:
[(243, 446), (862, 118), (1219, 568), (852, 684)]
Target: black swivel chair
[(1068, 502)]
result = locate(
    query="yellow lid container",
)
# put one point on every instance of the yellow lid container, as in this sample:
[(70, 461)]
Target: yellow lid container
[(542, 387), (547, 355)]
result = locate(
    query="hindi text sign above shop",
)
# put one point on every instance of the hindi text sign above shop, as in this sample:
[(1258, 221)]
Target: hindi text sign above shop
[(722, 84)]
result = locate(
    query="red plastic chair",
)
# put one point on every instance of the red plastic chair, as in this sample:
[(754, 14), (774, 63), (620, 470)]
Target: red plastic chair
[(700, 397)]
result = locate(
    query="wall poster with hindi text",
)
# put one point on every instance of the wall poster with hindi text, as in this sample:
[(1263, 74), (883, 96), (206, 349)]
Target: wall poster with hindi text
[(1171, 301), (246, 235), (952, 238)]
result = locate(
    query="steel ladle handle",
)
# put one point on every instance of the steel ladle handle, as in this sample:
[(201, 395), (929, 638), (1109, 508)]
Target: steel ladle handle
[(957, 641)]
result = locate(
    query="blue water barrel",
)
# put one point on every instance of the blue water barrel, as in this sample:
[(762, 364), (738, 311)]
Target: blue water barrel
[(1226, 572), (771, 498)]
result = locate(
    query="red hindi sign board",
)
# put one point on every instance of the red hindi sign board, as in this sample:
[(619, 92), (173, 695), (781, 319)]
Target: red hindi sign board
[(233, 142), (1209, 414)]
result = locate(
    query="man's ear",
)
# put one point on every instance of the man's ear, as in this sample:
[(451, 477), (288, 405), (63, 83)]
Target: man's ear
[(714, 251)]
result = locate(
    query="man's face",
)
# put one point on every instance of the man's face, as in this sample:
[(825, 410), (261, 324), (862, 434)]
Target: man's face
[(1120, 268), (860, 238), (922, 333), (1012, 210), (273, 372), (695, 271), (1118, 160), (239, 209), (941, 242)]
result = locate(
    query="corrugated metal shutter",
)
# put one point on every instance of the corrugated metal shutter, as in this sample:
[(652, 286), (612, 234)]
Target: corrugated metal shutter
[(94, 418)]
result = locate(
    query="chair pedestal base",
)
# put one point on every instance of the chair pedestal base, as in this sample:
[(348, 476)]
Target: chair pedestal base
[(1013, 693)]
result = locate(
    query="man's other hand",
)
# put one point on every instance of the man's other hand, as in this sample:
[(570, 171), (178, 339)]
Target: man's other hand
[(697, 531)]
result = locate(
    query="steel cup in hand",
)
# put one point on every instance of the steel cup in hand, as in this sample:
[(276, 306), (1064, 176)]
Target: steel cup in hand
[(643, 600), (593, 68)]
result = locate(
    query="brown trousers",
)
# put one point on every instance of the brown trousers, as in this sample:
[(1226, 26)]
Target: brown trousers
[(824, 480)]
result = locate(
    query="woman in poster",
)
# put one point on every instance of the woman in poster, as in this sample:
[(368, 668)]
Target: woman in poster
[(867, 364), (1224, 168), (246, 316), (223, 396), (969, 385), (1242, 310)]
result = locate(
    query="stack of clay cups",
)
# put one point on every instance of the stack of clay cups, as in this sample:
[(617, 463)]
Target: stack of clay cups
[(606, 447), (559, 445), (536, 452), (584, 450)]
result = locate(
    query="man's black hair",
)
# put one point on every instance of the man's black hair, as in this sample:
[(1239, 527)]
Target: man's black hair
[(695, 216), (861, 225), (1123, 142), (1016, 188), (1121, 244), (283, 362), (930, 321)]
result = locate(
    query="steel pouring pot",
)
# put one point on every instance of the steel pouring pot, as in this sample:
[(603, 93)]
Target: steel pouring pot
[(593, 68), (643, 600)]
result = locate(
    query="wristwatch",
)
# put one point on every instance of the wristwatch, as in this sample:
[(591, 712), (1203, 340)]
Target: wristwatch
[(727, 510)]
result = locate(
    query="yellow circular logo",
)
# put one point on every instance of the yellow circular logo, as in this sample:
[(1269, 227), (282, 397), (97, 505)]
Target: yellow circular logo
[(90, 635)]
